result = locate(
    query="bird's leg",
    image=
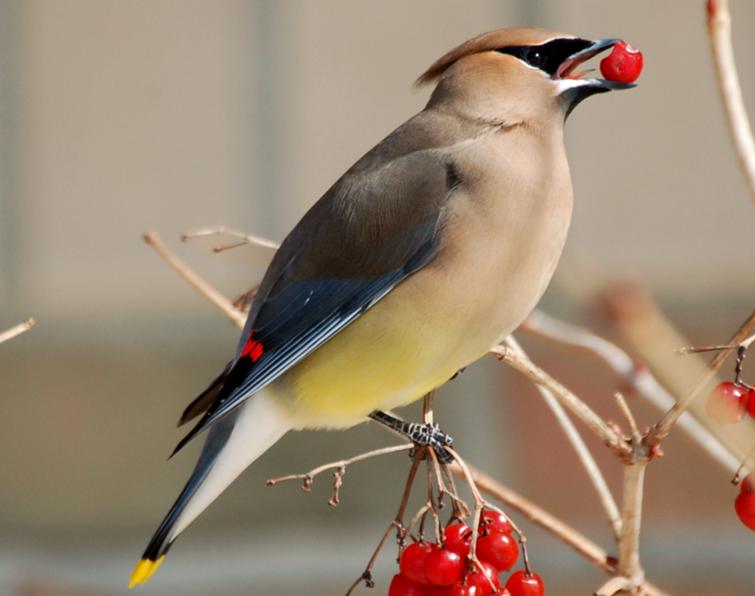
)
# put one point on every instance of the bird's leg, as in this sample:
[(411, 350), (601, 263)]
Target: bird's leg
[(421, 434)]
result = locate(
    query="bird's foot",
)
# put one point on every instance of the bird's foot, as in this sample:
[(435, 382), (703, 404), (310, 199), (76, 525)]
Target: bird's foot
[(421, 434), (430, 435)]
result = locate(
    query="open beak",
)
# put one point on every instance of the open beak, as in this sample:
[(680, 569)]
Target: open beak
[(567, 71)]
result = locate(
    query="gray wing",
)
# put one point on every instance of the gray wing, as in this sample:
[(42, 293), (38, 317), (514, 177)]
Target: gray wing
[(377, 225)]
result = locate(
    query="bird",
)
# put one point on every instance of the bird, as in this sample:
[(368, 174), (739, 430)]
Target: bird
[(432, 248)]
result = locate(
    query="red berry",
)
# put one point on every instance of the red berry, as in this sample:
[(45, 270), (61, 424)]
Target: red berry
[(413, 561), (464, 590), (498, 549), (623, 64), (521, 584), (744, 504), (480, 581), (458, 538), (727, 402), (401, 586), (444, 567), (750, 400), (492, 521)]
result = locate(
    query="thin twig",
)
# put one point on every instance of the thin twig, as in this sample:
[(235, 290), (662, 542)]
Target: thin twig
[(661, 429), (17, 330), (222, 230), (308, 478), (567, 399), (745, 343), (583, 453), (447, 488), (719, 32), (629, 417), (479, 505), (196, 281), (636, 375), (397, 523)]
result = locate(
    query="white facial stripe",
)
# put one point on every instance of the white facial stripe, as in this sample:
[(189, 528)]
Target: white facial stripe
[(566, 84)]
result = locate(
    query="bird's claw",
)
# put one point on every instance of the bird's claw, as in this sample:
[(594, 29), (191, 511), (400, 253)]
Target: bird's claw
[(430, 435)]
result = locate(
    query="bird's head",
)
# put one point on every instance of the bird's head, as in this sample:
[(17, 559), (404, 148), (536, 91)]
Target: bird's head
[(527, 76)]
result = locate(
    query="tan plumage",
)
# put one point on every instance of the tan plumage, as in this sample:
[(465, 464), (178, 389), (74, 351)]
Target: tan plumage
[(430, 249)]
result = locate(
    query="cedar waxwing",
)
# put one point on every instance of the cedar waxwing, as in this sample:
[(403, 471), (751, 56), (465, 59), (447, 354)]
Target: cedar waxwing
[(428, 251)]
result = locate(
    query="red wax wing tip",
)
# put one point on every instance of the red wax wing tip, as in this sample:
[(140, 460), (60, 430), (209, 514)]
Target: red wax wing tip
[(253, 349), (623, 64)]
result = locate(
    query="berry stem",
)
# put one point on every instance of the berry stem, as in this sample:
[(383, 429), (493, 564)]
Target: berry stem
[(397, 523), (741, 353)]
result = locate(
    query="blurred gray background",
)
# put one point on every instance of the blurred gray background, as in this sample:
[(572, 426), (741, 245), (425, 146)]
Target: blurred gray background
[(121, 117)]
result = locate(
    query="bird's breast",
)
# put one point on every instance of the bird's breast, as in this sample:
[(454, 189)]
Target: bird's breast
[(500, 241)]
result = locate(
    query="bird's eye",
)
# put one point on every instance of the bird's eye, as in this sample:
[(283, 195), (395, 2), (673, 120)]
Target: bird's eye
[(535, 58)]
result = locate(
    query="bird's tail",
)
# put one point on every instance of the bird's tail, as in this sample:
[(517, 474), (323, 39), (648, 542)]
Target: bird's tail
[(232, 444)]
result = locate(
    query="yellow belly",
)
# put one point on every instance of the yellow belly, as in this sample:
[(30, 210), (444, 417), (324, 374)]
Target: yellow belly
[(391, 356)]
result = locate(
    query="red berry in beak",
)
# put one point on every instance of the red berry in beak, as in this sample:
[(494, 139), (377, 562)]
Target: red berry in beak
[(623, 64)]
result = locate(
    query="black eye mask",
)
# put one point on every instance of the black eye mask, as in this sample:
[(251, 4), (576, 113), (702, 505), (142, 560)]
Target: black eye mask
[(548, 56)]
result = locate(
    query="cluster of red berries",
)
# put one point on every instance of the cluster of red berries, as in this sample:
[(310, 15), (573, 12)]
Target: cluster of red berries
[(729, 401), (427, 569), (623, 64)]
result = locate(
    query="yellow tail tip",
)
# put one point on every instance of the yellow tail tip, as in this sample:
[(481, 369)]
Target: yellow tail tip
[(144, 570)]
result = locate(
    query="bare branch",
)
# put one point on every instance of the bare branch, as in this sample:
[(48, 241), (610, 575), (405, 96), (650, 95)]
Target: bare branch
[(583, 453), (635, 375), (719, 32), (340, 466), (195, 280), (629, 543), (17, 330), (567, 399)]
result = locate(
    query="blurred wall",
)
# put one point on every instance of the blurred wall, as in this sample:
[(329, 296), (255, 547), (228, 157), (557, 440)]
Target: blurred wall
[(119, 117)]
